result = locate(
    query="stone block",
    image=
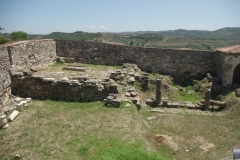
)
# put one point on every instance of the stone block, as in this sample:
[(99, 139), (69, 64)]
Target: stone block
[(165, 103), (181, 104), (127, 94), (33, 87), (133, 94), (43, 93), (169, 104), (22, 92), (73, 95), (74, 88), (32, 93), (149, 102), (174, 104), (39, 87)]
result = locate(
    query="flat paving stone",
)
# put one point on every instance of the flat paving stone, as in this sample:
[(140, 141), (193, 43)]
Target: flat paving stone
[(157, 110), (151, 118)]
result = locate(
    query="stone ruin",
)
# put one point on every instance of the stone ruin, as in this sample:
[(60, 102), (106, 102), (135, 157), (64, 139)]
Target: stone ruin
[(207, 103), (182, 65)]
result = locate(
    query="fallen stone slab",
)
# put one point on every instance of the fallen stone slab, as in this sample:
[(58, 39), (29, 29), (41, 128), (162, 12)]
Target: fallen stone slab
[(169, 104), (18, 99), (181, 104), (190, 105), (151, 118), (157, 110), (218, 103), (174, 104), (13, 115)]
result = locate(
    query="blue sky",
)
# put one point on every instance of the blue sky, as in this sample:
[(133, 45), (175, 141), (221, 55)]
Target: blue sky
[(46, 16)]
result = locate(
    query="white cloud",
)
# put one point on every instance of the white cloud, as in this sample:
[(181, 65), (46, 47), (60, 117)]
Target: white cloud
[(24, 27), (201, 26), (198, 26), (93, 27), (102, 27)]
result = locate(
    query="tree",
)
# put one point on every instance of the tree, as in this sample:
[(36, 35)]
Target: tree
[(18, 36), (4, 40), (131, 42)]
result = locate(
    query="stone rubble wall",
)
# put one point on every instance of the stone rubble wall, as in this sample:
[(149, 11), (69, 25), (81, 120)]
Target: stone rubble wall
[(5, 78), (32, 54), (165, 61), (49, 88)]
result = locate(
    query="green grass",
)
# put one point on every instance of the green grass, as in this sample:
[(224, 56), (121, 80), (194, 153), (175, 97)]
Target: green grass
[(184, 96), (72, 130), (67, 130), (127, 152)]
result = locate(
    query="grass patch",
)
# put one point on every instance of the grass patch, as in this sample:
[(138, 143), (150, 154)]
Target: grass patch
[(71, 130), (184, 96), (128, 152)]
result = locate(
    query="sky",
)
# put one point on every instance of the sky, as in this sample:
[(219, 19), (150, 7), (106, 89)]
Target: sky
[(46, 16)]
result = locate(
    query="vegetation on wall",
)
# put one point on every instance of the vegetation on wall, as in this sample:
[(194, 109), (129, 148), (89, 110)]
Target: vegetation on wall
[(15, 36)]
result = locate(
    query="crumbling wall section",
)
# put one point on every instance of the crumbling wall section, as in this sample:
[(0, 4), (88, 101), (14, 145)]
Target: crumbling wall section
[(5, 79)]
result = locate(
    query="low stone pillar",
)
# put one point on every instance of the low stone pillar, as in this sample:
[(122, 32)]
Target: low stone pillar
[(207, 98), (158, 91)]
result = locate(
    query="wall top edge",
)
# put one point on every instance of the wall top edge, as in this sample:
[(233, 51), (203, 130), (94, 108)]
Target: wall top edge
[(22, 42), (109, 44)]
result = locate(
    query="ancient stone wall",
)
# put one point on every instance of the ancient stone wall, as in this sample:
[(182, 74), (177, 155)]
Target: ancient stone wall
[(26, 85), (20, 56), (168, 61), (5, 79), (35, 54)]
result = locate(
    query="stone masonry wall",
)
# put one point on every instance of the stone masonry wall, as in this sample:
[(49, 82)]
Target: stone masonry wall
[(32, 54), (168, 61), (25, 85), (5, 79)]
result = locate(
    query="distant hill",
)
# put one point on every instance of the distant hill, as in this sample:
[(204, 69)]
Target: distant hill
[(224, 33), (180, 38), (79, 35)]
